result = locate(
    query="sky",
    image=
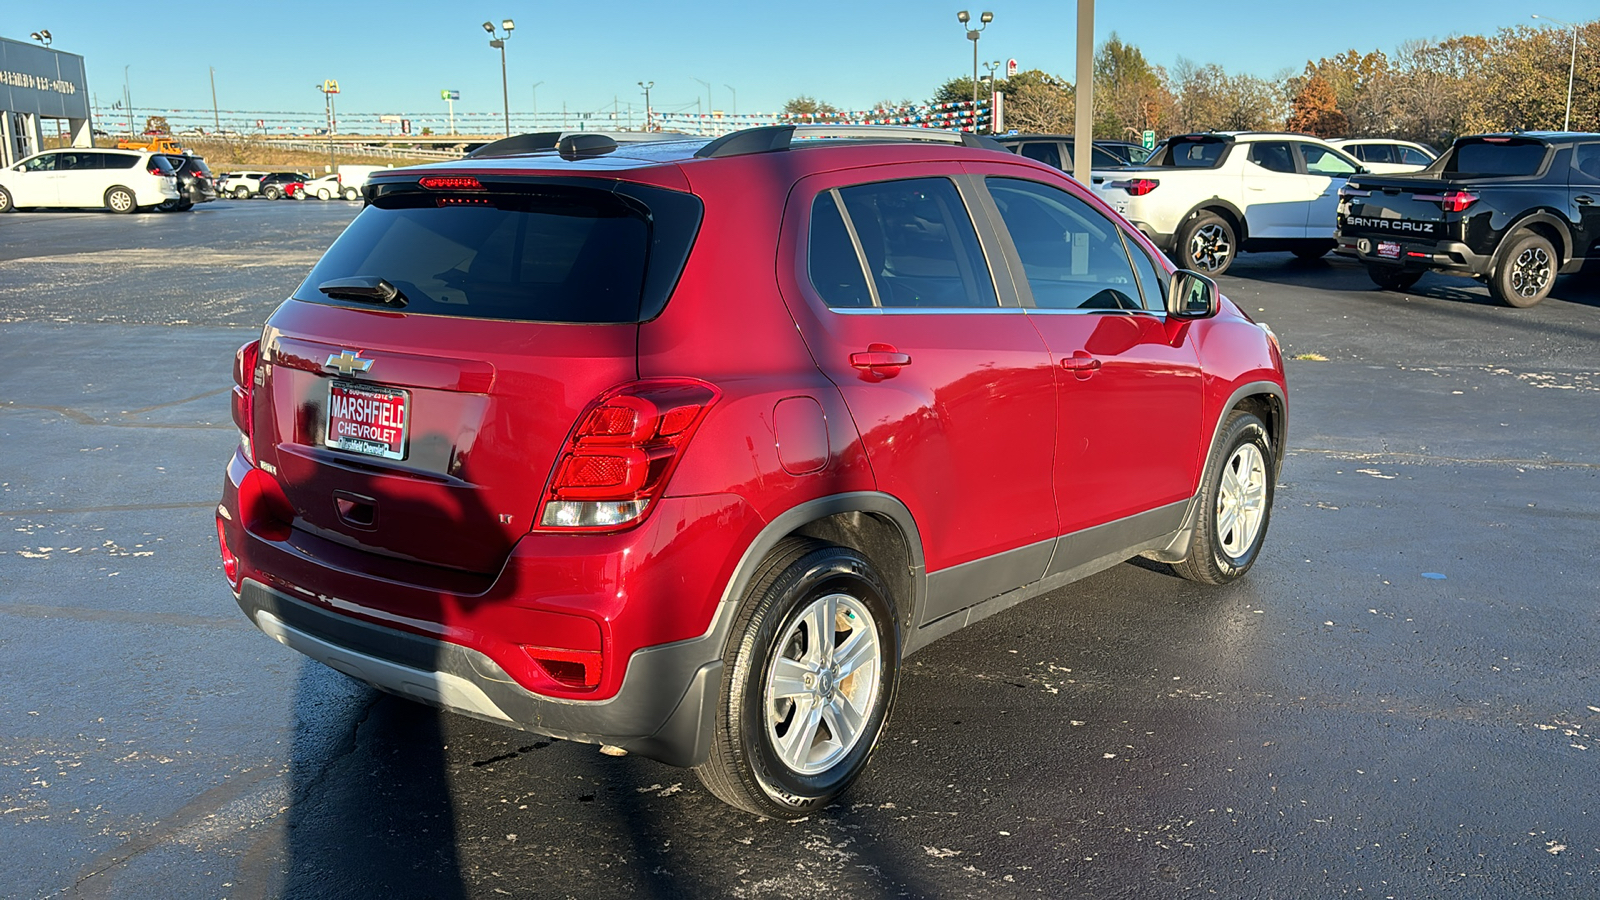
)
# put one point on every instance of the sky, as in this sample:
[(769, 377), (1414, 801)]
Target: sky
[(396, 57)]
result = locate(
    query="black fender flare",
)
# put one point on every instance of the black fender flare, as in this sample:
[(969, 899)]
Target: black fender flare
[(1237, 214), (1542, 216)]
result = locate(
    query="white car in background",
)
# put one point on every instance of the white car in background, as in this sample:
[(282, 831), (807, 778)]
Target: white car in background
[(122, 181), (240, 185), (345, 184), (1202, 198), (1386, 156)]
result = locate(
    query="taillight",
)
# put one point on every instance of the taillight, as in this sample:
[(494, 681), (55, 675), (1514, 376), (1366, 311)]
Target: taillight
[(156, 171), (244, 379), (1138, 187), (1457, 201), (622, 452)]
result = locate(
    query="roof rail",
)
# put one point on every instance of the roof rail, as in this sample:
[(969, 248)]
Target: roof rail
[(767, 138)]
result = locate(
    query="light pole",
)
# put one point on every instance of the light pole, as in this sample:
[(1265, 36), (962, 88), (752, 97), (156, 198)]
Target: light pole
[(707, 85), (734, 107), (127, 99), (499, 43), (328, 89), (972, 35), (536, 103), (649, 117), (216, 122), (1572, 67), (42, 36)]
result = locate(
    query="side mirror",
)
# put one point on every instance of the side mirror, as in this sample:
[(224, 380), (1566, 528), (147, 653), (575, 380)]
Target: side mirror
[(1192, 296), (1363, 170)]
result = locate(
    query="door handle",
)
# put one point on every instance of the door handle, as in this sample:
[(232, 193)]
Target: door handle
[(1583, 200), (1252, 187), (880, 359), (1081, 364)]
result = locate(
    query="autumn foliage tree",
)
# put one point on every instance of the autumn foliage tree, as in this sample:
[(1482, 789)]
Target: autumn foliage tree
[(1315, 110)]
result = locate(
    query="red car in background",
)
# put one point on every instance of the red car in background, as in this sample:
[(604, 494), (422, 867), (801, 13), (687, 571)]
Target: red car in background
[(681, 448)]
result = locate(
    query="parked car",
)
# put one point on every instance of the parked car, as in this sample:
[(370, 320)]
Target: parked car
[(345, 184), (1134, 154), (1383, 156), (241, 185), (122, 181), (281, 185), (1511, 210), (1056, 150), (1202, 198), (682, 448), (194, 183)]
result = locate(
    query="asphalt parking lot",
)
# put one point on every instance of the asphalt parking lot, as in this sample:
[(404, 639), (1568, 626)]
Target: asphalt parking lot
[(1401, 699)]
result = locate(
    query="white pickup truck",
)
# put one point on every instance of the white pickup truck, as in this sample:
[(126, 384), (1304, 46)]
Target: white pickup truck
[(1202, 198)]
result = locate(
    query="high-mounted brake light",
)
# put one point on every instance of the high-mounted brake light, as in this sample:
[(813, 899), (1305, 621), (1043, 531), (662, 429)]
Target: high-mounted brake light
[(451, 183), (1457, 201), (245, 361), (1138, 187), (622, 453)]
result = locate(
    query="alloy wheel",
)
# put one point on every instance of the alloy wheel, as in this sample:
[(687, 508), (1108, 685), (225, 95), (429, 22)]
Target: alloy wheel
[(1210, 248), (1241, 500), (823, 683), (1531, 272)]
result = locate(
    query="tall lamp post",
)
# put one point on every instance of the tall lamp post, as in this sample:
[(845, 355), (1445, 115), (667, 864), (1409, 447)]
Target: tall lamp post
[(498, 42), (328, 89), (1572, 66), (972, 35), (42, 36), (649, 119), (734, 110), (536, 104)]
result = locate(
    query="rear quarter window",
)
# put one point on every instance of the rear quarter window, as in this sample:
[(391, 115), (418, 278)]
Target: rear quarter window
[(1190, 153)]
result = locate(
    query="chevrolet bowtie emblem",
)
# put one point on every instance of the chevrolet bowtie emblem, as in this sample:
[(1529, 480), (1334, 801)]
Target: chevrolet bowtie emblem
[(347, 363)]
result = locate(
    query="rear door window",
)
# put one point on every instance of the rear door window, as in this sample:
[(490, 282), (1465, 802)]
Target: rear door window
[(1411, 156), (1047, 152), (918, 245), (548, 254), (1073, 256), (1274, 156)]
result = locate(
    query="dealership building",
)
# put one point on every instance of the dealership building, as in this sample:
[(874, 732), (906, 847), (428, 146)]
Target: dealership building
[(37, 83)]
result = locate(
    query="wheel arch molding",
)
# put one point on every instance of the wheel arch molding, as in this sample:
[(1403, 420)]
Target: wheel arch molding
[(1235, 216)]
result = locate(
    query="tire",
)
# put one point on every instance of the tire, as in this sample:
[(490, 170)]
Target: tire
[(302, 195), (777, 679), (167, 206), (324, 194), (1524, 270), (272, 193), (241, 193), (5, 202), (1235, 503), (1311, 251), (120, 200), (352, 194), (1393, 278), (184, 206), (1207, 244)]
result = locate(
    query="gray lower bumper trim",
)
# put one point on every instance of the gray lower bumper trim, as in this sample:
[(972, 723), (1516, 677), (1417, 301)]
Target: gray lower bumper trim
[(665, 709)]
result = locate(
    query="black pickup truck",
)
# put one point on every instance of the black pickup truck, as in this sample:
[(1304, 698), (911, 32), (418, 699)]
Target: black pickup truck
[(1511, 210)]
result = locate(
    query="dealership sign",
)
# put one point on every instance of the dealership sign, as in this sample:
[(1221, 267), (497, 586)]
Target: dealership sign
[(41, 81)]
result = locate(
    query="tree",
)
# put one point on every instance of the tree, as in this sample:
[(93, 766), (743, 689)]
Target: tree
[(1209, 99), (157, 125), (1130, 95), (1315, 110), (1041, 108), (809, 106)]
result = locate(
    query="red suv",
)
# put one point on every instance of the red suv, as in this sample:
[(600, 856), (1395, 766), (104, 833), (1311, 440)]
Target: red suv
[(682, 447)]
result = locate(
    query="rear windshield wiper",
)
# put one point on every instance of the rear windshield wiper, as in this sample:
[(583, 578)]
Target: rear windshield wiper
[(365, 289)]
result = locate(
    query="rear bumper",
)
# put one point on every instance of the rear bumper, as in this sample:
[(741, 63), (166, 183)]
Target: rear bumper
[(664, 709), (1439, 256)]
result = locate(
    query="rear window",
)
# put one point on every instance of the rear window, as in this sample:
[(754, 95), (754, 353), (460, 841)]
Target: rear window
[(544, 254), (1190, 153), (1502, 157), (161, 164)]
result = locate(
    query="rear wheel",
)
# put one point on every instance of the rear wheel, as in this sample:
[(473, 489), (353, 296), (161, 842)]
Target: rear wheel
[(1524, 270), (272, 193), (1235, 503), (1207, 244), (352, 194), (1392, 278), (120, 200), (241, 193), (809, 678), (324, 194)]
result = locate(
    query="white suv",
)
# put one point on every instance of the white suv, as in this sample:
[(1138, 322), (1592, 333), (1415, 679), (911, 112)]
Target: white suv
[(1388, 157), (240, 185), (1204, 197), (119, 180)]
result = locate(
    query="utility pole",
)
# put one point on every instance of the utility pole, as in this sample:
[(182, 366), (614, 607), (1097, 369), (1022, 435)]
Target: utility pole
[(1083, 124), (733, 109), (499, 42), (649, 119), (536, 104), (328, 89), (216, 122)]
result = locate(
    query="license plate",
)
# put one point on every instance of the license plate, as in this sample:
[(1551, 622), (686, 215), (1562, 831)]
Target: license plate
[(1389, 249), (364, 418)]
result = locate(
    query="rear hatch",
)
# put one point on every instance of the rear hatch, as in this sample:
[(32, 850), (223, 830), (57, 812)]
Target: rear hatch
[(1430, 205), (423, 379)]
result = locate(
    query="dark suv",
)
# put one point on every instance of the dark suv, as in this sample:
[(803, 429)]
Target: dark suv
[(195, 183), (682, 447)]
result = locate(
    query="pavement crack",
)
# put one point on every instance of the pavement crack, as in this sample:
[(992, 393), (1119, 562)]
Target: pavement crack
[(1400, 456), (311, 786)]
